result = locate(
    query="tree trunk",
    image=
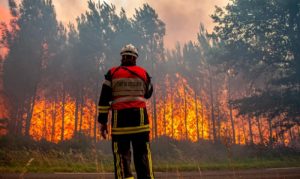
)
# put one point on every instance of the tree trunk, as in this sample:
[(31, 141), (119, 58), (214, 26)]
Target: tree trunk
[(291, 135), (250, 130), (81, 111), (164, 117), (218, 123), (230, 111), (154, 115), (218, 119), (154, 120), (212, 104), (244, 131), (76, 116), (270, 132), (172, 117), (62, 134), (53, 121), (45, 121), (259, 130), (97, 97), (196, 112), (95, 120), (185, 113), (29, 113), (18, 120), (239, 137), (202, 118)]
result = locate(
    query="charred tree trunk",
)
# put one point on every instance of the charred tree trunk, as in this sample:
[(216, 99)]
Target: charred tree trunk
[(62, 134), (19, 120), (81, 111), (164, 118), (53, 121), (270, 132), (218, 123), (96, 102), (76, 116), (185, 114), (202, 118), (95, 120), (196, 112), (291, 135), (45, 121), (154, 115), (250, 130), (212, 104), (218, 119), (90, 126), (259, 130), (29, 112), (230, 111), (154, 120), (244, 131), (172, 116)]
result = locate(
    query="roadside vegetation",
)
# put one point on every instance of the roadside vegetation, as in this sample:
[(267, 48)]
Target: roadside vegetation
[(22, 155)]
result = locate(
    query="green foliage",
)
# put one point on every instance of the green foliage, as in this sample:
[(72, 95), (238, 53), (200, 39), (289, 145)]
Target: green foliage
[(19, 154)]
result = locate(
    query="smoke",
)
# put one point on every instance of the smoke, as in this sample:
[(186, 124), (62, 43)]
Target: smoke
[(68, 11), (182, 18)]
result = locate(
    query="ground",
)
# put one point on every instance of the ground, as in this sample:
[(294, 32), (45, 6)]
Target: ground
[(271, 173)]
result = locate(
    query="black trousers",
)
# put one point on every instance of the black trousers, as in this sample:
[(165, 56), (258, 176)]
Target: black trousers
[(141, 155)]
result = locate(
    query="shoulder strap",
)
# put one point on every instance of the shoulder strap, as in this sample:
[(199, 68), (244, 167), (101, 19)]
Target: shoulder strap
[(115, 71)]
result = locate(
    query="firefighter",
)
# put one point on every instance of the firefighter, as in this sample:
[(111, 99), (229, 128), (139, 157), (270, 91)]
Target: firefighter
[(124, 91)]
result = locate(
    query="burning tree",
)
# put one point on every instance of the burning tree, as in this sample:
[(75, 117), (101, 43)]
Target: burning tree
[(52, 74)]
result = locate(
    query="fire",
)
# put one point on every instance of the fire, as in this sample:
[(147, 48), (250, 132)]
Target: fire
[(180, 114), (176, 111), (47, 119), (176, 115)]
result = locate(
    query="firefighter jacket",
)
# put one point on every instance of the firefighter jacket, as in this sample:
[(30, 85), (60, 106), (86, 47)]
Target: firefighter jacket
[(124, 91)]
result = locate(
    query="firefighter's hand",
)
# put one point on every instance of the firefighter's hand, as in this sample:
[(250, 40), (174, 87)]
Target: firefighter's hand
[(103, 130)]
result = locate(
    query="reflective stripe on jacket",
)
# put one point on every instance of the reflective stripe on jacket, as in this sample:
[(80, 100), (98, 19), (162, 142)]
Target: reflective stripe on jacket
[(128, 87)]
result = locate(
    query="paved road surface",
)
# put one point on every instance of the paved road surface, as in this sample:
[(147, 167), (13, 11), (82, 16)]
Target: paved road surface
[(275, 173)]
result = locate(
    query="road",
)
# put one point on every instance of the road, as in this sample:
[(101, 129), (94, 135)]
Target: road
[(272, 173)]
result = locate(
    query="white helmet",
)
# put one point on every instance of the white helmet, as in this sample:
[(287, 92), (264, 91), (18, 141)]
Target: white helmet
[(129, 49)]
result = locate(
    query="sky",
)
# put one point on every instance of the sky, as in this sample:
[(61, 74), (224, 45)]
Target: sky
[(182, 17)]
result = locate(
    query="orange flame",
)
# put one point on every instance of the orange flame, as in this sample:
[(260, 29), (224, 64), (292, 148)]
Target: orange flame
[(180, 115)]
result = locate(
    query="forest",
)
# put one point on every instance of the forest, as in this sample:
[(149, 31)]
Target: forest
[(237, 85)]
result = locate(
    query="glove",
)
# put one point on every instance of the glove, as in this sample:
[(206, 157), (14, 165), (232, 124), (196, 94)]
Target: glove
[(103, 130)]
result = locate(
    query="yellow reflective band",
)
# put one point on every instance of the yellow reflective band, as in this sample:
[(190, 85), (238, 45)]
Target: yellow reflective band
[(129, 178), (103, 107), (150, 160), (115, 118), (130, 130), (119, 176), (141, 116)]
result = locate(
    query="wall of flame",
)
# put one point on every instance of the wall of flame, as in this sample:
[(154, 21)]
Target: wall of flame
[(176, 116)]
